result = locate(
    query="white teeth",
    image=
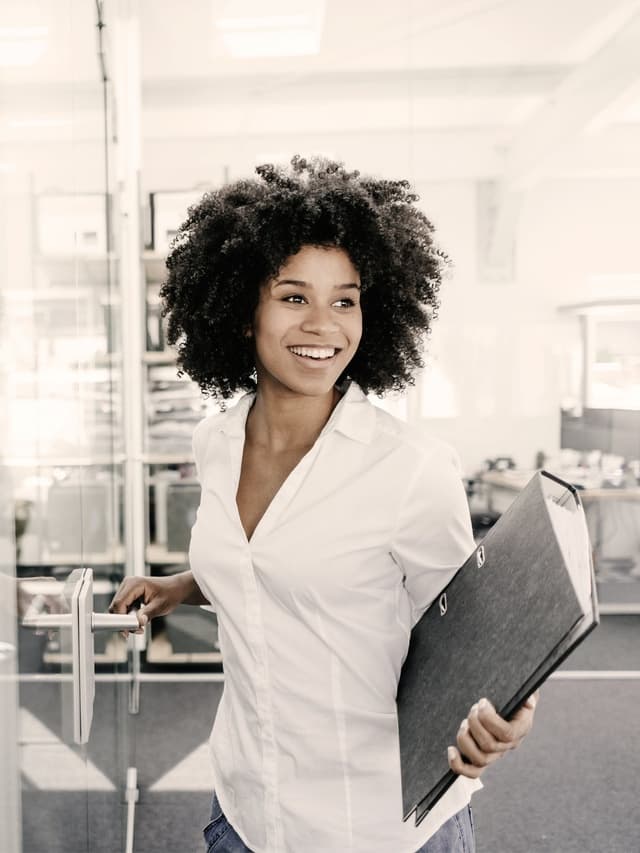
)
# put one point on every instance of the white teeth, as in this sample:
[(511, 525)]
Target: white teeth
[(314, 352)]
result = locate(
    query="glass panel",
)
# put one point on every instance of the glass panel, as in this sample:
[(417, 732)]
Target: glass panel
[(615, 374), (62, 444), (600, 441)]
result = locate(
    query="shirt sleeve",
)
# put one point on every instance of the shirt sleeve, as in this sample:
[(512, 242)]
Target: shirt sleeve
[(433, 534)]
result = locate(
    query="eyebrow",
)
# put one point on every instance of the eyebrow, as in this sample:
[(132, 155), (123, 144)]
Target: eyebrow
[(348, 286)]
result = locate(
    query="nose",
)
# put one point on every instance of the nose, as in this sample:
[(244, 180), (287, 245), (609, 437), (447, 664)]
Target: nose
[(319, 320)]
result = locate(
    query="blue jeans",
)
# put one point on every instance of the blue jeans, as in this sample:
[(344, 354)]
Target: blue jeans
[(456, 835)]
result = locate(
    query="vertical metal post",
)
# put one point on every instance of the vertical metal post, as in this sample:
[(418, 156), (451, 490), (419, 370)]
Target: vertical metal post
[(131, 798), (10, 793), (127, 85)]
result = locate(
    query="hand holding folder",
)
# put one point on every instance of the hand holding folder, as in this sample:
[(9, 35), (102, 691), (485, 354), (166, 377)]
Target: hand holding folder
[(484, 736), (515, 609)]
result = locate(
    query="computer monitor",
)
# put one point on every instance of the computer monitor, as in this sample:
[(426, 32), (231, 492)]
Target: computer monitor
[(609, 430)]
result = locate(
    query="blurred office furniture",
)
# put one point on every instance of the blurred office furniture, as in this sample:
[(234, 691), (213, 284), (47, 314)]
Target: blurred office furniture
[(483, 515), (607, 508), (613, 431), (69, 507), (173, 406)]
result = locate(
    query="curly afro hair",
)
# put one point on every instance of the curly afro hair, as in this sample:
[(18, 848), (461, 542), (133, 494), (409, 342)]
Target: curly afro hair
[(238, 237)]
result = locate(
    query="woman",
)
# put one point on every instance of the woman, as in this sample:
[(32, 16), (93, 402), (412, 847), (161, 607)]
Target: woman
[(326, 526)]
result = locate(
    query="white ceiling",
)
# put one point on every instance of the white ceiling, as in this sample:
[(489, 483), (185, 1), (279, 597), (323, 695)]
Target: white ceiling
[(542, 80), (553, 70), (180, 41), (435, 64)]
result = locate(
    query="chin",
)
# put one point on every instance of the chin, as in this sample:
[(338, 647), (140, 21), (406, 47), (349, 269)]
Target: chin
[(305, 387), (313, 389)]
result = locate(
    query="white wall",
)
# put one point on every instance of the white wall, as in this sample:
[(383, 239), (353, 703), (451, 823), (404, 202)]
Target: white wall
[(504, 347)]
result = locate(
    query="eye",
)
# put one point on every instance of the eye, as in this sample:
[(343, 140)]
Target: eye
[(345, 303), (294, 298)]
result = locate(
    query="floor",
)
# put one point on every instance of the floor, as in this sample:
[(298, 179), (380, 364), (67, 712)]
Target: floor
[(571, 788)]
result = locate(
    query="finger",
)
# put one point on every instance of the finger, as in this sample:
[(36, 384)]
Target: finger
[(505, 731), (470, 749), (156, 606), (143, 619), (532, 701), (483, 736), (130, 590), (461, 767), (522, 720)]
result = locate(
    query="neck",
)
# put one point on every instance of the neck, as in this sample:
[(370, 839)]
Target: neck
[(285, 421)]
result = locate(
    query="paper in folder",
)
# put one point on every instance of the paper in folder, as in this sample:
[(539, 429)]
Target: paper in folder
[(515, 609)]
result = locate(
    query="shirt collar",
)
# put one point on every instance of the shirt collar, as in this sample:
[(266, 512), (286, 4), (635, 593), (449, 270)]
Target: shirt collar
[(354, 416)]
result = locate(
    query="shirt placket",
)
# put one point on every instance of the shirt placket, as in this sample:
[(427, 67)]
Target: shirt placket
[(256, 634)]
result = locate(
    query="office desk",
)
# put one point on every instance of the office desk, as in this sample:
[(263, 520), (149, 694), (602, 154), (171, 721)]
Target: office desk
[(612, 514)]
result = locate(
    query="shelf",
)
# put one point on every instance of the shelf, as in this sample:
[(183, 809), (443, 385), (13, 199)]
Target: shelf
[(159, 556), (52, 586), (185, 458), (96, 373), (116, 653), (186, 657), (115, 557), (160, 650), (168, 458), (65, 461), (160, 357), (90, 269)]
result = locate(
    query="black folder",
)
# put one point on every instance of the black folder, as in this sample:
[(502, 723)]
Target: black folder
[(520, 603)]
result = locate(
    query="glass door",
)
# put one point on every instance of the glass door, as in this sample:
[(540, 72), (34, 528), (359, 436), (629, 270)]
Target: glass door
[(65, 685)]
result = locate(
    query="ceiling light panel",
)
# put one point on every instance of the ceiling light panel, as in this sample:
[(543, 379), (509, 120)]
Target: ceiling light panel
[(250, 29)]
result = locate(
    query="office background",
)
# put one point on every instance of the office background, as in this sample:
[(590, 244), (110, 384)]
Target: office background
[(518, 123)]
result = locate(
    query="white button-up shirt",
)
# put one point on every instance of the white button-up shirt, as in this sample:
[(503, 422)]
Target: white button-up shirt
[(314, 618)]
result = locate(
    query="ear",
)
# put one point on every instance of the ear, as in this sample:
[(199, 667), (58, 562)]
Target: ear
[(248, 331)]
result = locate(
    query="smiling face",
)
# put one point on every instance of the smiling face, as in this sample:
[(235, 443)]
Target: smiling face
[(308, 322)]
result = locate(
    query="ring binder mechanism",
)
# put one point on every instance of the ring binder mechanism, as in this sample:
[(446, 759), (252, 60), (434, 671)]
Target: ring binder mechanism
[(507, 627)]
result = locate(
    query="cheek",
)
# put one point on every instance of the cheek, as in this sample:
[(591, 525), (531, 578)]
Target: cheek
[(269, 326), (356, 330)]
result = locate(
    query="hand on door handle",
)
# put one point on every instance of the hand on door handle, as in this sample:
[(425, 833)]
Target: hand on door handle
[(159, 596)]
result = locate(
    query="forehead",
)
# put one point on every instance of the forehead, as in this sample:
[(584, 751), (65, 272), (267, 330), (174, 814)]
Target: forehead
[(320, 264)]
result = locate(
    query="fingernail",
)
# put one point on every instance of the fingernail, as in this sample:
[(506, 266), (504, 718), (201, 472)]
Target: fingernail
[(451, 753), (483, 704), (464, 725), (143, 619)]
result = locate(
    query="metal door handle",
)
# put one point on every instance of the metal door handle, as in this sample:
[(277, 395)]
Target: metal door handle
[(82, 623), (99, 621)]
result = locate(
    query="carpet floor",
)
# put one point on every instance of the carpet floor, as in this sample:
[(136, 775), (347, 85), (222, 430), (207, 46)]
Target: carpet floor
[(572, 787)]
